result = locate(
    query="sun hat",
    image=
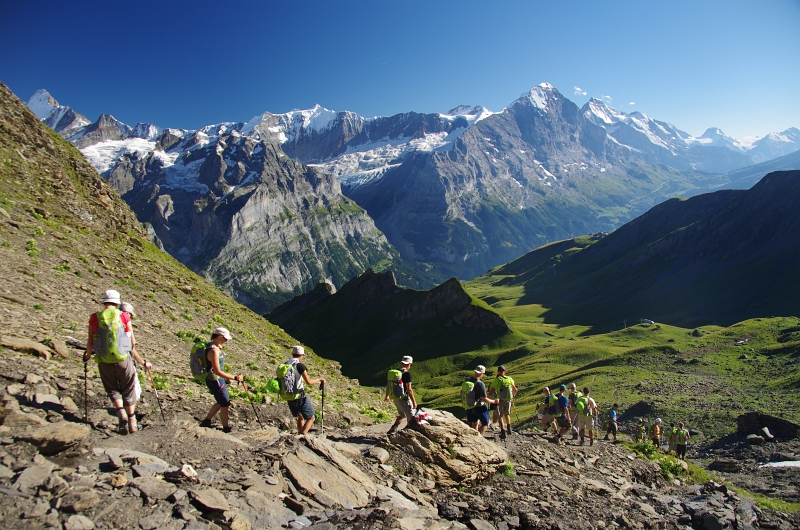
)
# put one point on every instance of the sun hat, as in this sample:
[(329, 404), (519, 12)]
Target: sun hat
[(407, 359), (297, 351), (128, 308), (111, 297), (501, 368), (222, 331), (481, 369)]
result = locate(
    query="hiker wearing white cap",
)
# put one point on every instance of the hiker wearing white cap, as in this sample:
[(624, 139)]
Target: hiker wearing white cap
[(300, 405), (504, 388), (217, 379), (112, 342), (475, 404), (398, 387), (655, 433)]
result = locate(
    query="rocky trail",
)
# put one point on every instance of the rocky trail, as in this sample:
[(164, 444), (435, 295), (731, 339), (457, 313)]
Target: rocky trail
[(58, 472)]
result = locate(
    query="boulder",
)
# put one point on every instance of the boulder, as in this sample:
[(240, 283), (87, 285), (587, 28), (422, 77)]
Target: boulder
[(33, 477), (25, 346), (11, 416), (452, 451), (209, 500), (325, 483), (380, 454), (56, 437), (78, 522), (79, 501), (754, 439), (154, 489)]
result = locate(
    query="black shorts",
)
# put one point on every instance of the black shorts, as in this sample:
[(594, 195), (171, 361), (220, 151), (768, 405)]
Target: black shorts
[(301, 407), (680, 450)]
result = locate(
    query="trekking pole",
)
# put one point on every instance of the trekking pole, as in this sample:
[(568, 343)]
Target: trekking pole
[(322, 420), (155, 390), (86, 391), (251, 404)]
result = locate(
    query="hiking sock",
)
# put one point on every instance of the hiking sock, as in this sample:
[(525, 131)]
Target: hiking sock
[(123, 420), (509, 429), (132, 425)]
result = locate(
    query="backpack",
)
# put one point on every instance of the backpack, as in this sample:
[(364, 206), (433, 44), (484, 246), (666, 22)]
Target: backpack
[(506, 388), (198, 362), (554, 408), (583, 406), (468, 400), (575, 396), (291, 386), (394, 384), (111, 342)]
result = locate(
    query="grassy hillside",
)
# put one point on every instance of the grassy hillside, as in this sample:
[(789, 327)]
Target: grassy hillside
[(66, 236)]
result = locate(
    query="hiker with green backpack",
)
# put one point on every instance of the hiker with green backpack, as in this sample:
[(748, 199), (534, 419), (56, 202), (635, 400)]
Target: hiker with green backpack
[(503, 386), (586, 410), (573, 397), (474, 400), (291, 375), (211, 361), (398, 388), (680, 441), (112, 343)]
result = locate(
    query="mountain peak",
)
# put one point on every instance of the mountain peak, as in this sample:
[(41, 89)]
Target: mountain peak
[(539, 95), (713, 132), (42, 103)]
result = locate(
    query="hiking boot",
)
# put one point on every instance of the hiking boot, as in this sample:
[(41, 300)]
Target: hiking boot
[(206, 424), (605, 437), (132, 425), (591, 442), (393, 430), (227, 429), (503, 435), (123, 426), (582, 442), (509, 430)]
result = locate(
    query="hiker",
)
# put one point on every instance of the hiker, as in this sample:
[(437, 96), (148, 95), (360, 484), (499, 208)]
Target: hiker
[(542, 415), (574, 395), (639, 432), (672, 438), (505, 389), (398, 387), (300, 406), (560, 411), (111, 340), (611, 422), (217, 379), (586, 409), (655, 433), (680, 441), (475, 405), (125, 307)]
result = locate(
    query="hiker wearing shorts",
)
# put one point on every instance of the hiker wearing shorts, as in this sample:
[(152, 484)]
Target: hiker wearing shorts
[(125, 307), (405, 403), (542, 415), (586, 414), (111, 340), (480, 413), (217, 379), (302, 408), (504, 388), (680, 441), (655, 433), (672, 438), (574, 395), (562, 413), (611, 422)]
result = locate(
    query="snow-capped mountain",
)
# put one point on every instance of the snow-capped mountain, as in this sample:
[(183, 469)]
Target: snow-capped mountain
[(60, 118)]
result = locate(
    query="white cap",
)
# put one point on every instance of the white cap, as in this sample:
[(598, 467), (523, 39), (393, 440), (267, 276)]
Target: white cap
[(407, 360), (297, 351), (128, 308), (573, 385), (222, 331), (111, 297), (658, 420), (481, 369)]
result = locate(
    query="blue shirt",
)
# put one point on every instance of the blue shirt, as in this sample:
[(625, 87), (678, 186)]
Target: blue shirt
[(612, 414), (564, 403)]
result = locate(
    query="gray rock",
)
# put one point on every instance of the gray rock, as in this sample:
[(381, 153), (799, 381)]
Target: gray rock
[(79, 501), (148, 470), (154, 489), (33, 477), (480, 524), (380, 454), (754, 439), (56, 437), (78, 522), (155, 520), (210, 500), (47, 399), (325, 483), (68, 404)]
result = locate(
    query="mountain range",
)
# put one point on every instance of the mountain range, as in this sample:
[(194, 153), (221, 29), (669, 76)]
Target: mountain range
[(269, 207)]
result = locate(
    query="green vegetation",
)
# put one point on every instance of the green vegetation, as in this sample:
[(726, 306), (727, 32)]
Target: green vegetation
[(508, 470)]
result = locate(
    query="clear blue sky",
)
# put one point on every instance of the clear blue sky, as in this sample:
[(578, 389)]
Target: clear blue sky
[(696, 64)]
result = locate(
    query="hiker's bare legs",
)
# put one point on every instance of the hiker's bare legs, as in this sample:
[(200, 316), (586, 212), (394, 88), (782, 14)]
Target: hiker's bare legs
[(213, 412), (303, 426), (223, 416)]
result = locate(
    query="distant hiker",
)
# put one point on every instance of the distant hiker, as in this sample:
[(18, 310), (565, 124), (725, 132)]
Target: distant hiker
[(655, 432), (299, 404), (611, 422), (586, 409), (111, 340), (672, 438), (542, 415), (640, 432), (398, 388), (217, 378), (560, 411), (503, 386), (125, 307), (573, 397), (680, 441), (474, 400)]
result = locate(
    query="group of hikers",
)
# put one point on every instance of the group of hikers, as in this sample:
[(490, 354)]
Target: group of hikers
[(677, 436), (112, 342)]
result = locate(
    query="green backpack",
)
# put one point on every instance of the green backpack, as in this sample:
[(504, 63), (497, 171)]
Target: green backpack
[(394, 384), (111, 343), (583, 406), (291, 386), (198, 362), (468, 400), (506, 388)]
